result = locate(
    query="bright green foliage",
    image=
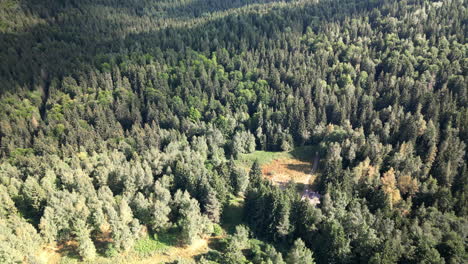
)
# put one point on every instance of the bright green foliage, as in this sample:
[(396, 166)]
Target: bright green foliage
[(119, 120), (7, 205), (19, 241), (161, 209), (149, 245), (235, 244), (239, 178), (299, 253), (191, 223), (125, 228), (86, 247), (63, 216), (243, 142)]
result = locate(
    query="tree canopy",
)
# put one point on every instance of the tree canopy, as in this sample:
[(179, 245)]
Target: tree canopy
[(121, 119)]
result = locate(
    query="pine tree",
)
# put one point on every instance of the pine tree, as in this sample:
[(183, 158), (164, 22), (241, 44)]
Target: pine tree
[(236, 243), (213, 206), (299, 253), (190, 221), (86, 248), (273, 256), (125, 229), (161, 208), (255, 175), (239, 178)]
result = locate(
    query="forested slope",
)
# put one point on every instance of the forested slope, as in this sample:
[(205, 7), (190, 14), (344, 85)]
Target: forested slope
[(118, 117)]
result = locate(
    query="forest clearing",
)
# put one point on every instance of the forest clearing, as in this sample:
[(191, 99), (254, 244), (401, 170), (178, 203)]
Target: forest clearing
[(233, 131), (298, 165), (163, 248), (282, 171), (164, 254), (199, 247)]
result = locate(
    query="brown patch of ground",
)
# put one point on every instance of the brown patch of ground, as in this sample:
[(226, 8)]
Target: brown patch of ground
[(281, 171), (49, 254), (105, 236)]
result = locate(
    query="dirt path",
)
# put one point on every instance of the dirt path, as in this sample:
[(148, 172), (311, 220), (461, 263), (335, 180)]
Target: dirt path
[(314, 168), (315, 165), (312, 196)]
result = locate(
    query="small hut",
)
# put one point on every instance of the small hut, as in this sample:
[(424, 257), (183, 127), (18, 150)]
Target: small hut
[(313, 197)]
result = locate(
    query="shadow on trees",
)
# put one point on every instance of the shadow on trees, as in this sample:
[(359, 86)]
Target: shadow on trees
[(75, 40)]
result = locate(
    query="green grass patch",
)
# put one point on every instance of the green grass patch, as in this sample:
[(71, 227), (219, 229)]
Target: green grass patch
[(148, 245), (304, 153), (263, 157), (158, 243), (233, 214), (68, 260)]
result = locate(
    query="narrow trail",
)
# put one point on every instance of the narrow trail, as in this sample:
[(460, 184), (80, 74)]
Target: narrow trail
[(312, 196), (314, 168)]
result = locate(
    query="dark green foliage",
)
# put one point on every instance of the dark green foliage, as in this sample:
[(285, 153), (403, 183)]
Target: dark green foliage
[(239, 178), (213, 207), (255, 175), (118, 117)]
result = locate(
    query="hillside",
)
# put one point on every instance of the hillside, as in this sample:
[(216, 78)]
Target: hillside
[(168, 131)]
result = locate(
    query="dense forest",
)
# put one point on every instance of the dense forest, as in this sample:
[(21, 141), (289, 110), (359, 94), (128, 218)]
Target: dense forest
[(121, 119)]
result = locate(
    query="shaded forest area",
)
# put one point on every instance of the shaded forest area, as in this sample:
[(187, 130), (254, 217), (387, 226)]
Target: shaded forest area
[(122, 118)]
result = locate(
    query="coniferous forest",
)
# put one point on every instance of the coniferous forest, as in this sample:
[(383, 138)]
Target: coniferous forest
[(123, 123)]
